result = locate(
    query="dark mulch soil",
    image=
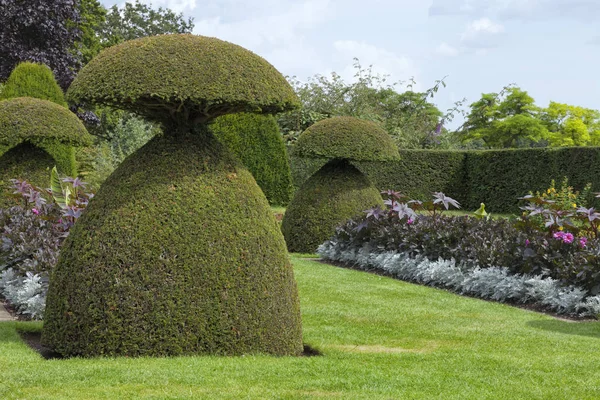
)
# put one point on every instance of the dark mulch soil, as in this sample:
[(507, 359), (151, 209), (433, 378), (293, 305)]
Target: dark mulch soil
[(530, 307), (34, 340)]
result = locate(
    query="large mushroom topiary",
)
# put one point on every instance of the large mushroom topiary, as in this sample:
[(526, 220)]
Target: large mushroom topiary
[(179, 252), (37, 135), (338, 191)]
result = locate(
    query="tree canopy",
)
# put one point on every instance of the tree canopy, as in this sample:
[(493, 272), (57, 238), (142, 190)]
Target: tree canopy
[(511, 119), (406, 115), (40, 31)]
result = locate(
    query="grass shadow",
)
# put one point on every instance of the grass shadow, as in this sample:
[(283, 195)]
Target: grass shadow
[(588, 328)]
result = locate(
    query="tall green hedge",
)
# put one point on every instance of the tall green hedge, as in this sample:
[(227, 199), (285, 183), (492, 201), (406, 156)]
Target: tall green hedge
[(496, 177), (33, 80), (256, 141)]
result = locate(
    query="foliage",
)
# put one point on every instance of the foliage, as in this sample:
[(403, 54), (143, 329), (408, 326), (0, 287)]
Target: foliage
[(135, 20), (417, 173), (197, 85), (118, 135), (256, 141), (31, 235), (179, 241), (40, 122), (493, 283), (102, 28), (33, 80), (92, 17), (346, 138), (337, 192), (39, 31), (407, 116), (571, 125), (496, 177), (475, 242), (503, 120)]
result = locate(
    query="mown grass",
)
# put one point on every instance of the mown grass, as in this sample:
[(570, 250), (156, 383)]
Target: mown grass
[(380, 339)]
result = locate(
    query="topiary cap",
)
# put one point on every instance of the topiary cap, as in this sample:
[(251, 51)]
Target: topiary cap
[(182, 77), (39, 121), (347, 138)]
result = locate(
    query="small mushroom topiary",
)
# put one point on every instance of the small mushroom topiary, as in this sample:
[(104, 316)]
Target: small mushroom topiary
[(338, 191), (178, 252), (37, 135)]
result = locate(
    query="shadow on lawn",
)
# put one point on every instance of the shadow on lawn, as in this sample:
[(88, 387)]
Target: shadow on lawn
[(588, 328)]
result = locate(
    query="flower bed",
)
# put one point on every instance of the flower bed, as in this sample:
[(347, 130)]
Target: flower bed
[(30, 238), (549, 257)]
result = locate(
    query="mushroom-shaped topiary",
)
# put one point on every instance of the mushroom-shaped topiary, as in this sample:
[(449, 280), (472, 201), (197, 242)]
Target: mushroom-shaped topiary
[(179, 252), (256, 141), (338, 191), (36, 135)]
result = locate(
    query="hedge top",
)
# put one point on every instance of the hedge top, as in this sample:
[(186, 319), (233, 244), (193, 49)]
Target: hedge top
[(347, 138), (182, 77), (39, 121), (33, 80)]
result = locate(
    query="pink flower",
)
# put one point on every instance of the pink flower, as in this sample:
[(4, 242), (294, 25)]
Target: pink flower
[(410, 221), (35, 211), (582, 241), (559, 235), (568, 237), (527, 242)]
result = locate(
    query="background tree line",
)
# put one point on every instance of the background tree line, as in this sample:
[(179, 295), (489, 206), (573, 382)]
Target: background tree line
[(67, 34)]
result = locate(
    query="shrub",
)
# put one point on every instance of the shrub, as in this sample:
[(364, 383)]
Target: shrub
[(179, 252), (494, 283), (330, 197), (256, 141), (496, 177), (31, 234), (36, 135), (33, 80), (346, 138), (333, 195), (484, 243)]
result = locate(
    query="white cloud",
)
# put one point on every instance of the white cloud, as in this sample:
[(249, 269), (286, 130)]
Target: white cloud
[(518, 9), (282, 28), (481, 33), (384, 62), (175, 5), (444, 49)]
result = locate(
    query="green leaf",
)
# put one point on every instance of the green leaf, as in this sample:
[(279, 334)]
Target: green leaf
[(59, 193)]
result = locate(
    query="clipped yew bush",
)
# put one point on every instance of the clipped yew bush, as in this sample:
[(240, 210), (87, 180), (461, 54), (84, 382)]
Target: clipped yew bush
[(178, 252), (33, 80), (35, 135), (256, 141), (338, 191)]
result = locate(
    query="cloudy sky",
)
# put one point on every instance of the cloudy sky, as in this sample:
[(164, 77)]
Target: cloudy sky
[(551, 48)]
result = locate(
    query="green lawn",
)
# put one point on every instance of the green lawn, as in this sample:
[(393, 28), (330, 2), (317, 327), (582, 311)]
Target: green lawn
[(381, 339)]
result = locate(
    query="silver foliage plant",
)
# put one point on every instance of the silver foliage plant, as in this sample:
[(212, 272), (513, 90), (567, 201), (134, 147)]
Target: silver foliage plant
[(495, 283), (26, 293)]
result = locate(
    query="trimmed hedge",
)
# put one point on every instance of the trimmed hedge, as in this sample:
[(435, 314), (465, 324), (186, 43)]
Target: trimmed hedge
[(346, 138), (40, 122), (256, 141), (496, 177), (198, 76), (176, 254), (31, 130), (33, 80), (24, 162), (336, 193)]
